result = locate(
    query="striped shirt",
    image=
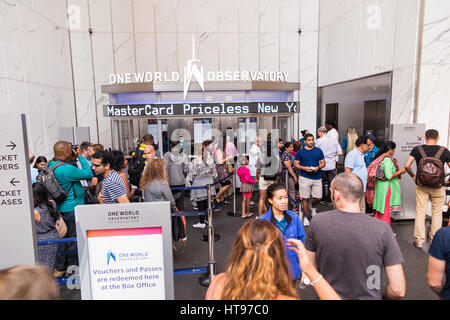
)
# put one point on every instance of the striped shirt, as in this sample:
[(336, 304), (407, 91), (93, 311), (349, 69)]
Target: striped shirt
[(113, 187)]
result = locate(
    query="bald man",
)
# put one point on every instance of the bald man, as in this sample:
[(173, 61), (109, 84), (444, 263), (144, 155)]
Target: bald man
[(69, 176), (351, 248)]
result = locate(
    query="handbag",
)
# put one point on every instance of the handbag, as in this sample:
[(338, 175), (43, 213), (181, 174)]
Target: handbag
[(380, 174), (61, 227), (89, 198)]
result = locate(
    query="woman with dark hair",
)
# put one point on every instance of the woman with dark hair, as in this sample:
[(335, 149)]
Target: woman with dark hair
[(118, 163), (41, 162), (287, 222), (384, 173), (222, 168), (202, 172), (302, 140), (46, 215), (287, 165)]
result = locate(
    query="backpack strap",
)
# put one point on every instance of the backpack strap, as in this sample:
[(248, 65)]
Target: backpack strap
[(439, 153), (422, 152), (61, 164)]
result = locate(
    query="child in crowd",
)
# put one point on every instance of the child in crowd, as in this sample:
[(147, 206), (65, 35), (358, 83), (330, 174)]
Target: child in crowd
[(246, 187)]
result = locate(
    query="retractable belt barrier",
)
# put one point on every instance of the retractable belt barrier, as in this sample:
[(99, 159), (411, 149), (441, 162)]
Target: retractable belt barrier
[(209, 271)]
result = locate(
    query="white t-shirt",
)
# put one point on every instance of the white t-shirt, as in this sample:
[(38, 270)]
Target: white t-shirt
[(253, 156), (330, 148), (333, 134)]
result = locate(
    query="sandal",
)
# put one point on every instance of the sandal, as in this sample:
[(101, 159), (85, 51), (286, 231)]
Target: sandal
[(249, 216)]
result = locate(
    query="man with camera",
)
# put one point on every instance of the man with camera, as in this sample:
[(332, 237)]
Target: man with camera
[(68, 175)]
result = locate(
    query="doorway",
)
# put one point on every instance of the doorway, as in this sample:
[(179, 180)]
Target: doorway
[(375, 120)]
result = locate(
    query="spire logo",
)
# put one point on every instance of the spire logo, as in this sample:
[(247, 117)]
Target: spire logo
[(193, 69), (110, 255)]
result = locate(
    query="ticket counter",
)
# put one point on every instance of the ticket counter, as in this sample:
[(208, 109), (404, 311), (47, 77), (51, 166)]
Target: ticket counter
[(159, 109)]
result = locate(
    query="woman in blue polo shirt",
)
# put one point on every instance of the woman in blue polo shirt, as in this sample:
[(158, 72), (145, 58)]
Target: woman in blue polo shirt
[(287, 222)]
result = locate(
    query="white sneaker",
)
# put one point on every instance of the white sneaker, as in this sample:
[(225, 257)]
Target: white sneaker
[(199, 225), (313, 212), (306, 222)]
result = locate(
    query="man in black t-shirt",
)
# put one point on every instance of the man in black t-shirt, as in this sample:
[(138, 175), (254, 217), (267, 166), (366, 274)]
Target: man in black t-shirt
[(423, 194)]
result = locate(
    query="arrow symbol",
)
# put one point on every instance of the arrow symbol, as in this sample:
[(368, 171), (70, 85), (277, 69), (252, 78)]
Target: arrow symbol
[(14, 182), (13, 145)]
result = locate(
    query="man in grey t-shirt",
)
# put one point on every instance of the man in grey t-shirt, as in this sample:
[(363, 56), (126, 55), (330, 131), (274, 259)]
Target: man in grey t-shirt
[(350, 249)]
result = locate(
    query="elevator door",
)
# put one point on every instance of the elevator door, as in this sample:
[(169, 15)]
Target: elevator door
[(375, 121)]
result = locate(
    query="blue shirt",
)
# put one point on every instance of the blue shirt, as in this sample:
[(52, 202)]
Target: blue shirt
[(310, 158), (291, 228), (281, 224), (369, 156), (355, 161), (440, 249), (33, 174)]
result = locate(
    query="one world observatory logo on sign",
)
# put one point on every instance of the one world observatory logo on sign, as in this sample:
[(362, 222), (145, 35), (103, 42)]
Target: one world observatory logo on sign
[(194, 71), (110, 255)]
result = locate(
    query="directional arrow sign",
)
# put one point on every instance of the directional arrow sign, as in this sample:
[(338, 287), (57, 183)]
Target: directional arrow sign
[(12, 145), (14, 182), (17, 224)]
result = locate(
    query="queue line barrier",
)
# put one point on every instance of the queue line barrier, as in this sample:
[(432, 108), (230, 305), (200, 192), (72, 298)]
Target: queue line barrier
[(208, 272)]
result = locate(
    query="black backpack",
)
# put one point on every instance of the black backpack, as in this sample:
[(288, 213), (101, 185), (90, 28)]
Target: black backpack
[(135, 167), (47, 178)]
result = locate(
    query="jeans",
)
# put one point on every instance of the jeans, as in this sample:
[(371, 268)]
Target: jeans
[(63, 261), (327, 177)]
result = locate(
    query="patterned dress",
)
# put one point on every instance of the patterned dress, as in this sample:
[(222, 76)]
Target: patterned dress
[(45, 230), (202, 173)]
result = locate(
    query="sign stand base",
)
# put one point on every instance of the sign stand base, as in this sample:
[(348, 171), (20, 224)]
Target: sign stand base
[(204, 279), (205, 237)]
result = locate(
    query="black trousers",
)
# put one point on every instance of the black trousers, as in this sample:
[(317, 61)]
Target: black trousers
[(63, 261), (178, 196), (202, 206), (327, 177)]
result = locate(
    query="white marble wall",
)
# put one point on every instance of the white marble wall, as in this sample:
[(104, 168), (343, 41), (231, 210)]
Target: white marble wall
[(35, 71), (434, 82), (309, 50), (156, 35), (361, 38)]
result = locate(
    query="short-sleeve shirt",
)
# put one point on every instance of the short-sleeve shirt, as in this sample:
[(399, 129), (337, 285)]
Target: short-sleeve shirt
[(351, 250), (310, 158), (440, 249), (330, 148), (113, 187), (430, 151), (286, 156), (355, 161)]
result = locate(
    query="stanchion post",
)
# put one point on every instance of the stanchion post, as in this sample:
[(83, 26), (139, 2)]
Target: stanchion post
[(207, 278), (211, 262), (287, 183), (234, 192)]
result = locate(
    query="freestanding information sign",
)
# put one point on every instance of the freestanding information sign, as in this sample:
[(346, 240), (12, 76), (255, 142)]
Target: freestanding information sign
[(406, 137), (125, 251), (17, 228)]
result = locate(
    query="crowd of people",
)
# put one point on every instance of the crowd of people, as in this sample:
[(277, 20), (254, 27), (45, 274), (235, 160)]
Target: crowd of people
[(290, 241)]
